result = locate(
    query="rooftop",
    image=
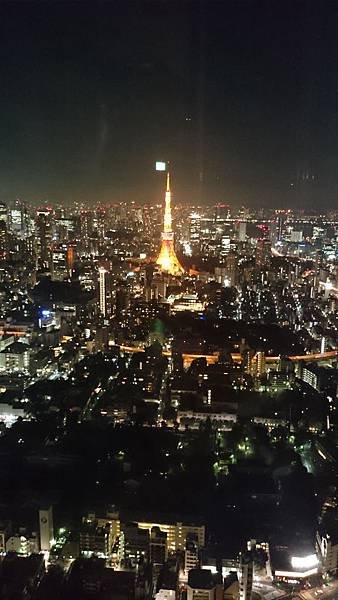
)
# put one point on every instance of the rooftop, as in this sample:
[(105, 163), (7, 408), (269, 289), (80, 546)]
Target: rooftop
[(201, 579)]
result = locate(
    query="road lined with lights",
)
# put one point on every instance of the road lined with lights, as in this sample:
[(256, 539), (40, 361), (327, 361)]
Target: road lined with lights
[(213, 358), (236, 357), (324, 592)]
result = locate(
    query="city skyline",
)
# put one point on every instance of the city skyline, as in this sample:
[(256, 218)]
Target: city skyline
[(168, 300)]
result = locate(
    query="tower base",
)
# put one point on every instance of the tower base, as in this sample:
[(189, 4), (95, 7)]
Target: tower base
[(168, 260)]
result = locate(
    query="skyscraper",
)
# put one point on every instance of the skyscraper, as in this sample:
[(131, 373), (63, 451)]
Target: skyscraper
[(231, 268), (263, 253), (43, 225), (86, 229), (101, 219), (240, 227), (70, 259), (276, 228), (86, 223), (3, 239), (167, 258), (3, 213), (46, 528), (104, 292)]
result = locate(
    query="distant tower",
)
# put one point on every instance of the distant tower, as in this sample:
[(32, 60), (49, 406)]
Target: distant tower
[(167, 258), (104, 292)]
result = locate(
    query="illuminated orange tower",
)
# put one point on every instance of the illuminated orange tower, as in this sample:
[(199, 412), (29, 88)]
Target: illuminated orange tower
[(167, 258)]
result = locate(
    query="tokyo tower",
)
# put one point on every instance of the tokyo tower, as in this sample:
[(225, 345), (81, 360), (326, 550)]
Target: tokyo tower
[(167, 258)]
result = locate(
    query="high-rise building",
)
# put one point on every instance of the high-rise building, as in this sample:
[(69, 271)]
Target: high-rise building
[(95, 539), (86, 232), (66, 228), (260, 363), (225, 245), (246, 572), (122, 300), (101, 222), (167, 258), (221, 273), (333, 304), (102, 339), (3, 213), (86, 224), (222, 213), (135, 542), (191, 556), (15, 220), (44, 236), (276, 228), (263, 253), (102, 290), (296, 236), (323, 344), (231, 271), (19, 220), (105, 303), (247, 360), (58, 262), (70, 260), (46, 528), (240, 228), (3, 239), (195, 230), (158, 549)]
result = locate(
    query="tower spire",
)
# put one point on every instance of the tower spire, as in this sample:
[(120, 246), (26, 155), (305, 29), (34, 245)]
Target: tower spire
[(167, 211)]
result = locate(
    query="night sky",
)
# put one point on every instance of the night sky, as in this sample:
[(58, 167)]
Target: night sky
[(241, 97)]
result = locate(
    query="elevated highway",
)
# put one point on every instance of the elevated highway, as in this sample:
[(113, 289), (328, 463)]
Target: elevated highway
[(317, 357), (236, 357)]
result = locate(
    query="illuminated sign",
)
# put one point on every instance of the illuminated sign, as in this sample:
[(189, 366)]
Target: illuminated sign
[(304, 562), (160, 165), (290, 575)]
